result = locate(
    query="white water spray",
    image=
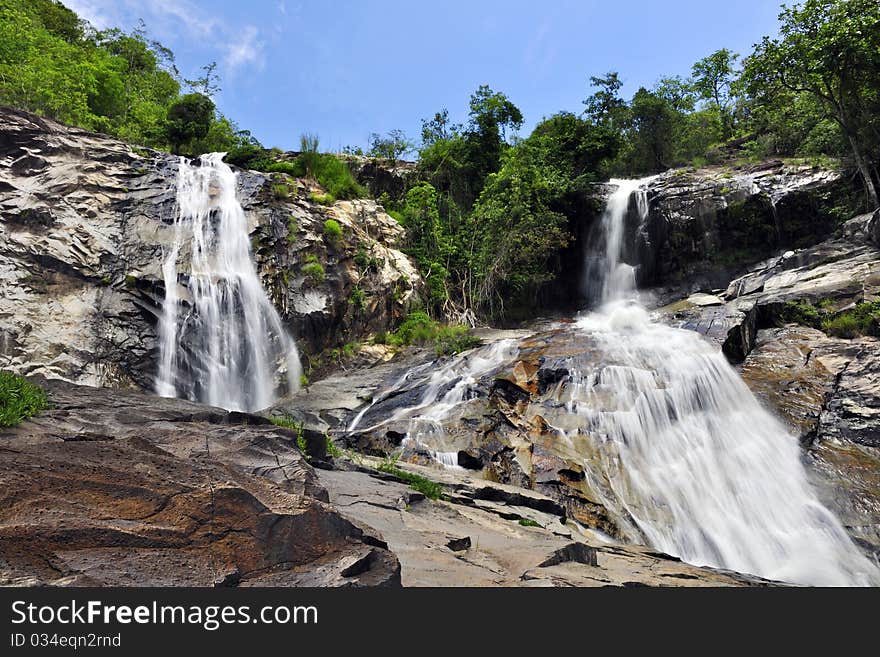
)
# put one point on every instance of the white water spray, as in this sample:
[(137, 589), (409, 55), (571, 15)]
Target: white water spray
[(691, 460), (221, 340)]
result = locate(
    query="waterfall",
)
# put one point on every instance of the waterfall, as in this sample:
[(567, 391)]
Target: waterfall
[(221, 341), (607, 275), (690, 460)]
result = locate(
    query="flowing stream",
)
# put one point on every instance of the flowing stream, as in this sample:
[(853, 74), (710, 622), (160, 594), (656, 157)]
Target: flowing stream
[(692, 460), (679, 450), (221, 341)]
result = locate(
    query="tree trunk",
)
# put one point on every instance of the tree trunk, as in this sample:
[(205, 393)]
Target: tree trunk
[(865, 172)]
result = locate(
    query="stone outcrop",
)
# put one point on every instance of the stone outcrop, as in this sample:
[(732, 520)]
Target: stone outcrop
[(85, 220), (705, 225), (488, 534), (827, 390), (122, 488)]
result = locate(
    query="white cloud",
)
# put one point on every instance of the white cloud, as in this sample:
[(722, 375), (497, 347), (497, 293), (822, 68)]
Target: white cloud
[(178, 15), (238, 47), (246, 50), (100, 14)]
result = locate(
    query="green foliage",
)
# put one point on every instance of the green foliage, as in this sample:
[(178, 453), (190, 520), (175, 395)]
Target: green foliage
[(288, 422), (519, 232), (19, 399), (826, 64), (322, 199), (333, 232), (303, 380), (713, 80), (800, 312), (419, 329), (864, 319), (281, 191), (332, 450), (358, 299), (528, 522), (189, 118), (109, 81), (392, 146), (430, 489), (313, 269), (292, 229)]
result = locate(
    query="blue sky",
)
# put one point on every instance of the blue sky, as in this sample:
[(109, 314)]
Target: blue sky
[(344, 69)]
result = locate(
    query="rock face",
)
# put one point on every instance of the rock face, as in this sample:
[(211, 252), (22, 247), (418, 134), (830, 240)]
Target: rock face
[(121, 488), (705, 225), (839, 272), (828, 391), (84, 222), (383, 177), (488, 534)]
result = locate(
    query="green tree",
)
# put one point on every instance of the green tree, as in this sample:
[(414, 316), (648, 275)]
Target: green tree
[(829, 50), (392, 146), (653, 123), (605, 106), (189, 118), (713, 78)]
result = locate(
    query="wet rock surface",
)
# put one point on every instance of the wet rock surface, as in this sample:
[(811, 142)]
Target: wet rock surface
[(121, 488), (828, 391), (85, 222), (489, 534)]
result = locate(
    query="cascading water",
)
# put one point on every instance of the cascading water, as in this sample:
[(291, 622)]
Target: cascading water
[(674, 444), (221, 340), (690, 459), (607, 275)]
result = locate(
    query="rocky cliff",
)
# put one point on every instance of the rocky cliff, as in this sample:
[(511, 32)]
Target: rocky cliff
[(84, 220), (120, 487)]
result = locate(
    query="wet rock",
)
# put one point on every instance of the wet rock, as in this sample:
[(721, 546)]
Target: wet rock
[(85, 221), (121, 488), (828, 392), (501, 551), (574, 553)]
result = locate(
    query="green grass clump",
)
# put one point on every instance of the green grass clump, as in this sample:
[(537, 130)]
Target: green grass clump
[(322, 199), (419, 328), (430, 489), (332, 449), (314, 269), (292, 229), (333, 231), (800, 312), (864, 319), (287, 422), (528, 522), (281, 191), (19, 399)]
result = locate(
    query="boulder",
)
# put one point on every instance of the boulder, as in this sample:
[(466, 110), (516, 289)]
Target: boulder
[(118, 488)]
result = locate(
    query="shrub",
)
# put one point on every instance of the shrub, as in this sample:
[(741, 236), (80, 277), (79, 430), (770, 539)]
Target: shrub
[(800, 312), (322, 199), (430, 489), (313, 269), (528, 522), (281, 191), (358, 298), (864, 319), (454, 340), (419, 328), (19, 399)]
